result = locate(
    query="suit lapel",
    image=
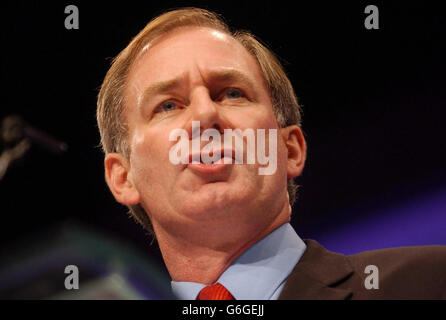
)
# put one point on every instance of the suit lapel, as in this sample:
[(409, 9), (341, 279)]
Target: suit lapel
[(318, 275)]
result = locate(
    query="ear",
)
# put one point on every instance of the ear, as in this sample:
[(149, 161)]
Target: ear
[(118, 177), (297, 150)]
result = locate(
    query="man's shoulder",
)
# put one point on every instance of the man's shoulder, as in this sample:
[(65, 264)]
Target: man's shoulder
[(430, 259), (407, 257), (404, 272), (417, 272), (412, 254)]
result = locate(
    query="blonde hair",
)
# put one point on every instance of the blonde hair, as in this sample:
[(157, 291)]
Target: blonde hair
[(110, 105)]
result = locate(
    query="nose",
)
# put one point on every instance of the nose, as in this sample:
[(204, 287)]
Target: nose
[(205, 110)]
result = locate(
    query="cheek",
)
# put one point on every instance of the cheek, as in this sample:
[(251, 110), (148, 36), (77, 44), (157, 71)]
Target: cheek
[(253, 118), (148, 157), (266, 118), (150, 144), (282, 156)]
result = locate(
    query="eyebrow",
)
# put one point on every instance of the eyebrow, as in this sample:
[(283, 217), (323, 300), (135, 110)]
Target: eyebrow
[(159, 88), (231, 75), (224, 75)]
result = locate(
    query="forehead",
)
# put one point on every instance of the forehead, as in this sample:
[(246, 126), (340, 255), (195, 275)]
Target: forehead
[(189, 51)]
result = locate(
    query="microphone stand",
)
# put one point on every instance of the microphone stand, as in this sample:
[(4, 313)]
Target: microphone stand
[(8, 156), (17, 136)]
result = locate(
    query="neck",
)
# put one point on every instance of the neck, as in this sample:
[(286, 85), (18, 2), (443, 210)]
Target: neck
[(204, 261)]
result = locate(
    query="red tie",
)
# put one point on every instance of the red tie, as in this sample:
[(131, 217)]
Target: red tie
[(215, 292)]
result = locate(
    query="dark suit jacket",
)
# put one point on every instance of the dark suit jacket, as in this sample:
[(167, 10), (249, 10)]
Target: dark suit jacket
[(403, 273)]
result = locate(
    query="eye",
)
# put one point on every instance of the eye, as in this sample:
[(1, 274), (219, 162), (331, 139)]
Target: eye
[(233, 93), (166, 106)]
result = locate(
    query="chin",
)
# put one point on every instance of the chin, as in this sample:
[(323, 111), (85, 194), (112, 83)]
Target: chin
[(217, 198)]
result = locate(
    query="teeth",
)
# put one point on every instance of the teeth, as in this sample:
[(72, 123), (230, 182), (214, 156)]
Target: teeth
[(216, 154)]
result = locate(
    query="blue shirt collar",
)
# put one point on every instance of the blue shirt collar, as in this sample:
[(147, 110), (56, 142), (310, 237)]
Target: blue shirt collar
[(260, 272)]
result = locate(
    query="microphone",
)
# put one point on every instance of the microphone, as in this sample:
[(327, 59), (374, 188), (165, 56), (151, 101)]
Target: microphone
[(14, 129)]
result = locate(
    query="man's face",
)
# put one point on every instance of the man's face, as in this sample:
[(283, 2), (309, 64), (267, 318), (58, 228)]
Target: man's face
[(199, 74)]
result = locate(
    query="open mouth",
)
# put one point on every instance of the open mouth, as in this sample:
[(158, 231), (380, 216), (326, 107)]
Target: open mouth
[(212, 162), (223, 156)]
